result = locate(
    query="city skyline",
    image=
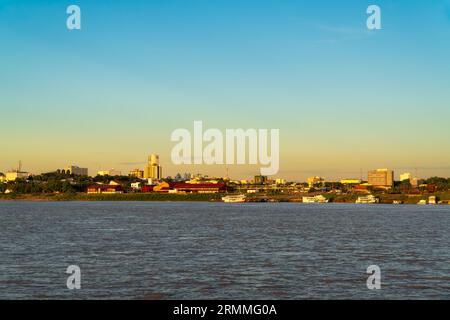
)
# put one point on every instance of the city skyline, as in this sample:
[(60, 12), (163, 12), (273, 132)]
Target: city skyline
[(363, 174), (344, 98)]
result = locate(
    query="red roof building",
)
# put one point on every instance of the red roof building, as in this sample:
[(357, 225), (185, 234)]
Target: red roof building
[(146, 189), (200, 187), (190, 187), (104, 188)]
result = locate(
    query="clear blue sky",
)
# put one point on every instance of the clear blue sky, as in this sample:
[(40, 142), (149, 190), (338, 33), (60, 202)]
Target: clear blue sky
[(343, 97)]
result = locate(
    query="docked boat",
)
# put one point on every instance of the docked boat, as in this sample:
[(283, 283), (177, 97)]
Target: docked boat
[(316, 199), (234, 198), (422, 202), (370, 199), (432, 200)]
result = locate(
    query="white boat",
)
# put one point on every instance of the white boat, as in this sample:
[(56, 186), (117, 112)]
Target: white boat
[(432, 200), (316, 199), (308, 200), (234, 198), (367, 199), (422, 202)]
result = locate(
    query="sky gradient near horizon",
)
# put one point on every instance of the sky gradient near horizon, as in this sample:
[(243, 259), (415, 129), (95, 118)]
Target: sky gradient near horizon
[(345, 99)]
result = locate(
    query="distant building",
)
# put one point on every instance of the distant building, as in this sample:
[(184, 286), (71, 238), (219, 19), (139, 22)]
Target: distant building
[(105, 188), (381, 178), (405, 176), (137, 173), (260, 179), (136, 185), (153, 170), (173, 187), (312, 181), (76, 171), (200, 187), (110, 173), (362, 188), (163, 186), (205, 179), (14, 175), (408, 176), (147, 188), (350, 181), (280, 181)]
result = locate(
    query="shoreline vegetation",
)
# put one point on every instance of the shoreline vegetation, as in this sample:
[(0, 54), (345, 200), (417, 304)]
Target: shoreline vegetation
[(209, 197), (63, 186)]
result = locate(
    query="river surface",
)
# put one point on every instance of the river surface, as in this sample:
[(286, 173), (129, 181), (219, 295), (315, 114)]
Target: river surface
[(174, 250)]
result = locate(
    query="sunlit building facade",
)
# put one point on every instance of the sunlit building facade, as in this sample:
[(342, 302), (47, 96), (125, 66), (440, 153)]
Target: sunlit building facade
[(381, 178), (153, 170)]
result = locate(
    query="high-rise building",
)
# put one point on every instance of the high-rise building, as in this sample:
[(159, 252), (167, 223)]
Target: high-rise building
[(381, 178), (153, 170)]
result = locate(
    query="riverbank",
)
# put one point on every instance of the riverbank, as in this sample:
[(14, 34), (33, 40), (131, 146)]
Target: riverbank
[(390, 198), (384, 198)]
